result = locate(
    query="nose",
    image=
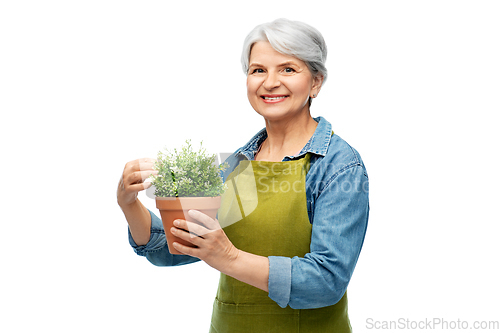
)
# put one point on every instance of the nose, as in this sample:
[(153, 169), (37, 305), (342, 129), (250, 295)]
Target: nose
[(272, 81)]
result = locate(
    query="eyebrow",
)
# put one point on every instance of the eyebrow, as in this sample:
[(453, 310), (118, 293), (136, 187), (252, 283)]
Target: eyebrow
[(287, 63)]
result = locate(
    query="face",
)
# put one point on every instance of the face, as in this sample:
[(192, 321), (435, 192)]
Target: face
[(279, 86)]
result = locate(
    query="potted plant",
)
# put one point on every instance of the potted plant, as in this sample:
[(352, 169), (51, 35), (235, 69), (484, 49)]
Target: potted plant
[(186, 179)]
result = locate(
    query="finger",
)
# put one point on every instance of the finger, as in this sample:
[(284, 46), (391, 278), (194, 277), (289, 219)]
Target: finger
[(193, 228), (187, 250), (146, 160), (145, 166), (206, 220), (142, 164), (186, 235), (139, 177), (137, 187)]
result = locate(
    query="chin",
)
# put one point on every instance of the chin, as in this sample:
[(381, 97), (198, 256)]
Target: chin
[(278, 113), (275, 116)]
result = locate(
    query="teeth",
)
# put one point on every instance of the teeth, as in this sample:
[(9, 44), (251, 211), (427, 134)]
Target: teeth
[(274, 98)]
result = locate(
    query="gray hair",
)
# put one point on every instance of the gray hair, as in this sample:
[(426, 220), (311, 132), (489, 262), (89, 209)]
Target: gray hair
[(292, 38)]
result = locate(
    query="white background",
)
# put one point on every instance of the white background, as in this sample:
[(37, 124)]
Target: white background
[(86, 86)]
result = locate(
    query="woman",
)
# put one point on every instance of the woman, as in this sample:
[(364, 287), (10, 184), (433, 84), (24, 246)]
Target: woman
[(296, 209)]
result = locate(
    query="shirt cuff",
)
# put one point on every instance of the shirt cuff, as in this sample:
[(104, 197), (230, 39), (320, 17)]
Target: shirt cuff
[(280, 280), (157, 239)]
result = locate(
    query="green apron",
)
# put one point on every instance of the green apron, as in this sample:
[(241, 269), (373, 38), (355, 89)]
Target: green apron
[(264, 212)]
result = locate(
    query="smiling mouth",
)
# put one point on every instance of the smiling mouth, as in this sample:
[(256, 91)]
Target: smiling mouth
[(273, 98)]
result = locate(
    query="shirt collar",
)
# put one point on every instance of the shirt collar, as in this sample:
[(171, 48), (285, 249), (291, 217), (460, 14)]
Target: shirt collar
[(318, 144)]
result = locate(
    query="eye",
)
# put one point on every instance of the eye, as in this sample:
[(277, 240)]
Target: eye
[(289, 70), (257, 70)]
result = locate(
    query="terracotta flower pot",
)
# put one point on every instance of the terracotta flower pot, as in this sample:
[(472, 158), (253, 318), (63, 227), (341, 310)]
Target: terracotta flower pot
[(177, 208)]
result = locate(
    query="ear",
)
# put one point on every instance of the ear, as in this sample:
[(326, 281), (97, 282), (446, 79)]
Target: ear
[(316, 85)]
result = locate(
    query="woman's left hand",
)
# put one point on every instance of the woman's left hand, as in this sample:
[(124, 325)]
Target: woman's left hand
[(213, 246)]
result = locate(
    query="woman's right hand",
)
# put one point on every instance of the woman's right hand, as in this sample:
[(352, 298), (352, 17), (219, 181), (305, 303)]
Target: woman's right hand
[(132, 180)]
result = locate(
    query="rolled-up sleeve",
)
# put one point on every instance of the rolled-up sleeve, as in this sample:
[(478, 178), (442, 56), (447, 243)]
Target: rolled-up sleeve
[(280, 279), (156, 250), (340, 219)]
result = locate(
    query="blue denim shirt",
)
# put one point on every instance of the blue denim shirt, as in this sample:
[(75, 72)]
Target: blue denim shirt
[(337, 205)]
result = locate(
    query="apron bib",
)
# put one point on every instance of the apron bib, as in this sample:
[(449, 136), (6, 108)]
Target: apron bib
[(264, 212)]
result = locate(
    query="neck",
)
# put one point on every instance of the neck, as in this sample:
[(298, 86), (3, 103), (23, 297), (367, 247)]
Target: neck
[(286, 137)]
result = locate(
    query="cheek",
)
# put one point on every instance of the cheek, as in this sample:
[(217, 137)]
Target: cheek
[(252, 87), (303, 87)]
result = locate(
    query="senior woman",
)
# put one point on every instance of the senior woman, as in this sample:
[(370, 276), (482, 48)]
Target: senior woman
[(296, 210)]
